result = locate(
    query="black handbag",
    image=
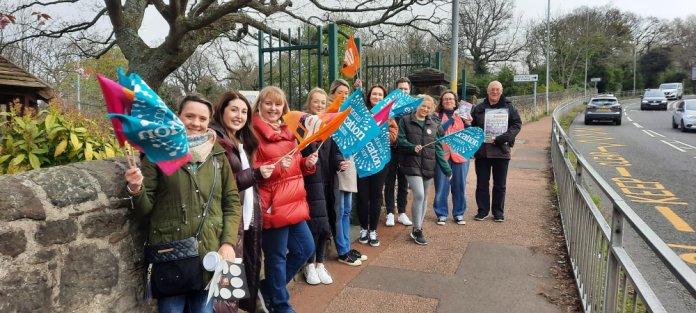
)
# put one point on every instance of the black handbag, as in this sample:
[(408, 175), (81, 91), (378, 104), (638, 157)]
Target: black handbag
[(174, 268)]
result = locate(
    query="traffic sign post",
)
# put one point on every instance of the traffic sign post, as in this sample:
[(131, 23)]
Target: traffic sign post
[(693, 73), (595, 80), (529, 78)]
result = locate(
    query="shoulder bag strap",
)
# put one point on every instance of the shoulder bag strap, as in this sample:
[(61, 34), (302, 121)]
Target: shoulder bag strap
[(210, 197)]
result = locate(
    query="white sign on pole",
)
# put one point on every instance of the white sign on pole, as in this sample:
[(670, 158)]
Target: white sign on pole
[(693, 73), (526, 78), (596, 80)]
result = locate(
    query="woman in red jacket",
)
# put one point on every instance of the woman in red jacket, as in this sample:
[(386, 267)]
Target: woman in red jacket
[(287, 242)]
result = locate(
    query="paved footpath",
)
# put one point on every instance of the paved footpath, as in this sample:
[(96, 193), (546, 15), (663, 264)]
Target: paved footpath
[(482, 266)]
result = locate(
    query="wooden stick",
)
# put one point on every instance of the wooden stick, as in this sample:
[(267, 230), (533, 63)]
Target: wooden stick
[(125, 152), (322, 143), (281, 158), (429, 144), (135, 161)]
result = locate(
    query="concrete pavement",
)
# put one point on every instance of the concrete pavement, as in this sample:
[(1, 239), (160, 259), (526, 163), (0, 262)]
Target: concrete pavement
[(479, 267)]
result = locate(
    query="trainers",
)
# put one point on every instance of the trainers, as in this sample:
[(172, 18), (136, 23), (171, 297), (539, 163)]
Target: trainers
[(480, 217), (324, 275), (373, 238), (417, 236), (441, 220), (310, 273), (348, 259), (357, 255), (390, 219), (499, 218), (363, 236), (403, 219), (460, 220)]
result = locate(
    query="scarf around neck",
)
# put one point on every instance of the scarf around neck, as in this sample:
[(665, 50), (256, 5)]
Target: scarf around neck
[(449, 113), (201, 145), (276, 126)]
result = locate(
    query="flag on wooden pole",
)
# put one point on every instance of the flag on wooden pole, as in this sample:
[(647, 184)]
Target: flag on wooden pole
[(351, 62)]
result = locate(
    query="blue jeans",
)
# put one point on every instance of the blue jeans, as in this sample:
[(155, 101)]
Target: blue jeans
[(343, 236), (194, 300), (286, 250), (458, 186)]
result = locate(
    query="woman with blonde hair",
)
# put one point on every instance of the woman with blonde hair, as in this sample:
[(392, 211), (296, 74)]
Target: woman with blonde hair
[(287, 241)]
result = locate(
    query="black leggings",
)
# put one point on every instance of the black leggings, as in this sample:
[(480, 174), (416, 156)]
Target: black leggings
[(402, 194), (370, 199), (320, 250)]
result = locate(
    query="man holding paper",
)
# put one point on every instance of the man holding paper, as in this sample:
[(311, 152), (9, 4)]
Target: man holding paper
[(501, 123)]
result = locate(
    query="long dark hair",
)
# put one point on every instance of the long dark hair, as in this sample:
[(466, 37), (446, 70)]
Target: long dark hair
[(246, 134), (369, 92)]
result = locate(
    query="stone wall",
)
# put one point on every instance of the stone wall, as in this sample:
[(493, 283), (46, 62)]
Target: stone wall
[(68, 242), (525, 104)]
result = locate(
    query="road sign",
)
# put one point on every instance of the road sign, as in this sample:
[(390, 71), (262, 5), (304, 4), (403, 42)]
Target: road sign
[(526, 78), (693, 73), (595, 79)]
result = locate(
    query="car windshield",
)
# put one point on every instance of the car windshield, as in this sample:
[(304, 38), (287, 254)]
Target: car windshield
[(654, 93), (690, 105), (603, 101), (668, 86)]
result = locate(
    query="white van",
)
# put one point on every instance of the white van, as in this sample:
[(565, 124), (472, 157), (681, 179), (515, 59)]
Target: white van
[(251, 95), (672, 90)]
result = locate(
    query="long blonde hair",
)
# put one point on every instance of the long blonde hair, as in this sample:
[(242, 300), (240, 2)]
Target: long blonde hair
[(311, 94), (276, 95)]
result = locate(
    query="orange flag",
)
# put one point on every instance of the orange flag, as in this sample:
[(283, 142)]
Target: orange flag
[(351, 62), (326, 130), (336, 104)]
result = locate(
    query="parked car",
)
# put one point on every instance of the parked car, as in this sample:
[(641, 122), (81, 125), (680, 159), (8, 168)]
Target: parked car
[(653, 99), (685, 115), (603, 108), (673, 90)]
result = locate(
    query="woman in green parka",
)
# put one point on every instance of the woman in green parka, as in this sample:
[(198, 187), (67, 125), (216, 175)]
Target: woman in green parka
[(175, 203)]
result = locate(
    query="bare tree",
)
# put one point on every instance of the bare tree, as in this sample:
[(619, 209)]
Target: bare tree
[(196, 23), (489, 32)]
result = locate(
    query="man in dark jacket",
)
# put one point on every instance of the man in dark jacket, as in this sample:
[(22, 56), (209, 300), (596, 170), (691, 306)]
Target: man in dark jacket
[(494, 154)]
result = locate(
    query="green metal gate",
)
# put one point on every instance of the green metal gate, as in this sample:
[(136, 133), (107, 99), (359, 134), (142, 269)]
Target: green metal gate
[(297, 61), (387, 69)]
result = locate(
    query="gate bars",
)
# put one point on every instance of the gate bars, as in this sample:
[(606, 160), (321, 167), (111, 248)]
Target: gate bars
[(387, 69)]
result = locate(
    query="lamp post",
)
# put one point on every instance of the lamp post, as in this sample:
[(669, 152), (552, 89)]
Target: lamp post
[(548, 48), (635, 44), (455, 43)]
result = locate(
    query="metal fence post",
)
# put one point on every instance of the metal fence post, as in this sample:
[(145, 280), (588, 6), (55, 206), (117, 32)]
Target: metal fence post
[(437, 60), (611, 289), (333, 53), (261, 63), (320, 63), (358, 43)]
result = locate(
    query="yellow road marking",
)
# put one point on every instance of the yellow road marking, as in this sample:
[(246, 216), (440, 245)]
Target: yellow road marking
[(623, 172), (673, 218), (681, 246), (602, 149), (689, 257)]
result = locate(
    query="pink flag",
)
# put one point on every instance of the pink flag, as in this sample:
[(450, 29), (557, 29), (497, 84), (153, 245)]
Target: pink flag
[(119, 100), (383, 115)]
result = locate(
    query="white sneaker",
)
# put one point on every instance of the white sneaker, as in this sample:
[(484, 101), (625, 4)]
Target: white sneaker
[(403, 219), (310, 273), (373, 238), (324, 275), (390, 219)]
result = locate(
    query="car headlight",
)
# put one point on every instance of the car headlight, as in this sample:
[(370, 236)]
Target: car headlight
[(664, 101), (645, 101), (689, 116)]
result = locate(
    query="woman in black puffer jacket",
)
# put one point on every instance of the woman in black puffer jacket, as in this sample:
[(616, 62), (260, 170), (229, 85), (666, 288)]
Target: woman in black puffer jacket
[(322, 194)]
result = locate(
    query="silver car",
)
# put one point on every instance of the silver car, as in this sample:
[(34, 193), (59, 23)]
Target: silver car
[(685, 115), (603, 108)]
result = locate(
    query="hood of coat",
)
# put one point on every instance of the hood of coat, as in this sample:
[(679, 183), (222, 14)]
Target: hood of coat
[(266, 132), (222, 134)]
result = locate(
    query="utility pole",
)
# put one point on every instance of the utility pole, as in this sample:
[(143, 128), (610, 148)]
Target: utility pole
[(548, 57), (78, 84), (587, 53), (635, 44), (455, 45)]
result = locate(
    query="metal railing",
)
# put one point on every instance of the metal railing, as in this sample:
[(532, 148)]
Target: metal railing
[(607, 278)]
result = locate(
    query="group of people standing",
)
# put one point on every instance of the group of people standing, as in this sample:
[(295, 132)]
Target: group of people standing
[(285, 206)]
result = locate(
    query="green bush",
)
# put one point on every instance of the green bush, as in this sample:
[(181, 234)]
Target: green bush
[(53, 137)]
